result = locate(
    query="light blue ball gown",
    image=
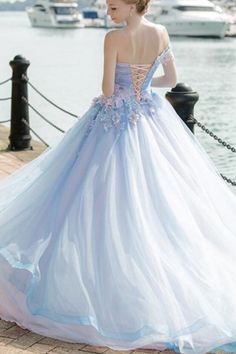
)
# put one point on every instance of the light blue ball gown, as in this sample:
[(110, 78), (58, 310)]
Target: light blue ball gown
[(124, 233)]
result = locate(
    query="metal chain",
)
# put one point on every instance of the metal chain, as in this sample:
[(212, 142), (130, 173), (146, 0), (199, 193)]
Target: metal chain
[(202, 126), (47, 99), (5, 81), (5, 99), (26, 123), (44, 118), (228, 180)]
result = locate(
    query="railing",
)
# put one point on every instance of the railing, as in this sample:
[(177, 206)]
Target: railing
[(182, 98)]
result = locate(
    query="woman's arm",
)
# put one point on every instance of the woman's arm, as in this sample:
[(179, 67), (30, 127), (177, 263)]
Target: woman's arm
[(169, 79), (109, 66)]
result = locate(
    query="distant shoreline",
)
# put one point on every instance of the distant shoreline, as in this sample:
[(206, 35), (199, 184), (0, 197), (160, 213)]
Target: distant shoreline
[(229, 6)]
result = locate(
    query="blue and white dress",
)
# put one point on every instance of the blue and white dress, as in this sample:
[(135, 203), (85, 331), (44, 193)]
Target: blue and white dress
[(124, 233)]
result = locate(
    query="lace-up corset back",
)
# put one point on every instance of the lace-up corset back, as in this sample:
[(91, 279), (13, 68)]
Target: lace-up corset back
[(138, 74), (137, 77), (132, 78)]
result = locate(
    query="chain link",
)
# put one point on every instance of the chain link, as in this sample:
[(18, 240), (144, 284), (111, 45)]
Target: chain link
[(5, 99), (41, 139), (228, 146), (47, 99), (228, 180), (202, 126), (5, 81), (40, 115)]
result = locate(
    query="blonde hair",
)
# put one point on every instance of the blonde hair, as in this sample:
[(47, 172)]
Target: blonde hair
[(141, 5)]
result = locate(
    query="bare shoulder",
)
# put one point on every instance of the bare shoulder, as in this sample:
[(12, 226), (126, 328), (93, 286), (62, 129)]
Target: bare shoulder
[(111, 39), (157, 31), (112, 34), (161, 33)]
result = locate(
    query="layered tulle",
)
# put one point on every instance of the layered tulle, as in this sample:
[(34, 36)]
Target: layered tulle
[(122, 236)]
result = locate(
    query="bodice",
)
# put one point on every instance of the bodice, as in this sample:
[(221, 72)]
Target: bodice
[(137, 77), (132, 94)]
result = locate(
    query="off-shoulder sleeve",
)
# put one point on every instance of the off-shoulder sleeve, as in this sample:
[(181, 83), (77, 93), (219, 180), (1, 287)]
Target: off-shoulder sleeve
[(167, 55)]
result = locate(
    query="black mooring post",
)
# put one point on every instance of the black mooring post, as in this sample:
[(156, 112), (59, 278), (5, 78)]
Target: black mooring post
[(19, 132), (183, 98)]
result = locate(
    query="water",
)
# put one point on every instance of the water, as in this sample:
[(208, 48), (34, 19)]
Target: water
[(66, 65)]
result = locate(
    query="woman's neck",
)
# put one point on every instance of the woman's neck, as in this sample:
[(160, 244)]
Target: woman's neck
[(133, 22)]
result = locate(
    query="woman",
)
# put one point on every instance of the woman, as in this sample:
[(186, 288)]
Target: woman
[(124, 234)]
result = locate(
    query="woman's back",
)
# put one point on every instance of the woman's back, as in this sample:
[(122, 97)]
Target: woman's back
[(140, 45)]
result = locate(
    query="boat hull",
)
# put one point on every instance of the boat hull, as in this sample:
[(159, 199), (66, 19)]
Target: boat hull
[(47, 20), (196, 29)]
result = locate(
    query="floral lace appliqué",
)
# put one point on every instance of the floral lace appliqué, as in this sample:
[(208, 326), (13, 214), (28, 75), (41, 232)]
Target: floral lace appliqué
[(123, 108)]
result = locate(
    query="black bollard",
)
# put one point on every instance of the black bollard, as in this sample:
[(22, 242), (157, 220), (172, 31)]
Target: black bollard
[(19, 133), (183, 99)]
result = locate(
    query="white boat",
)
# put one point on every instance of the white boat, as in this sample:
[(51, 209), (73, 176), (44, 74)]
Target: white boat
[(199, 18), (55, 13), (96, 15)]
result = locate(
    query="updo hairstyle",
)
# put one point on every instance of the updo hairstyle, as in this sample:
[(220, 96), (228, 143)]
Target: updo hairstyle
[(141, 5)]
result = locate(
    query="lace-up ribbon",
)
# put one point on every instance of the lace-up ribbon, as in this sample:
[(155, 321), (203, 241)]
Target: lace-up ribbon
[(139, 73)]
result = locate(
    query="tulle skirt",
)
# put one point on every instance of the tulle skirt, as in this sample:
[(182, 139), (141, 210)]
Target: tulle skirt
[(123, 239)]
